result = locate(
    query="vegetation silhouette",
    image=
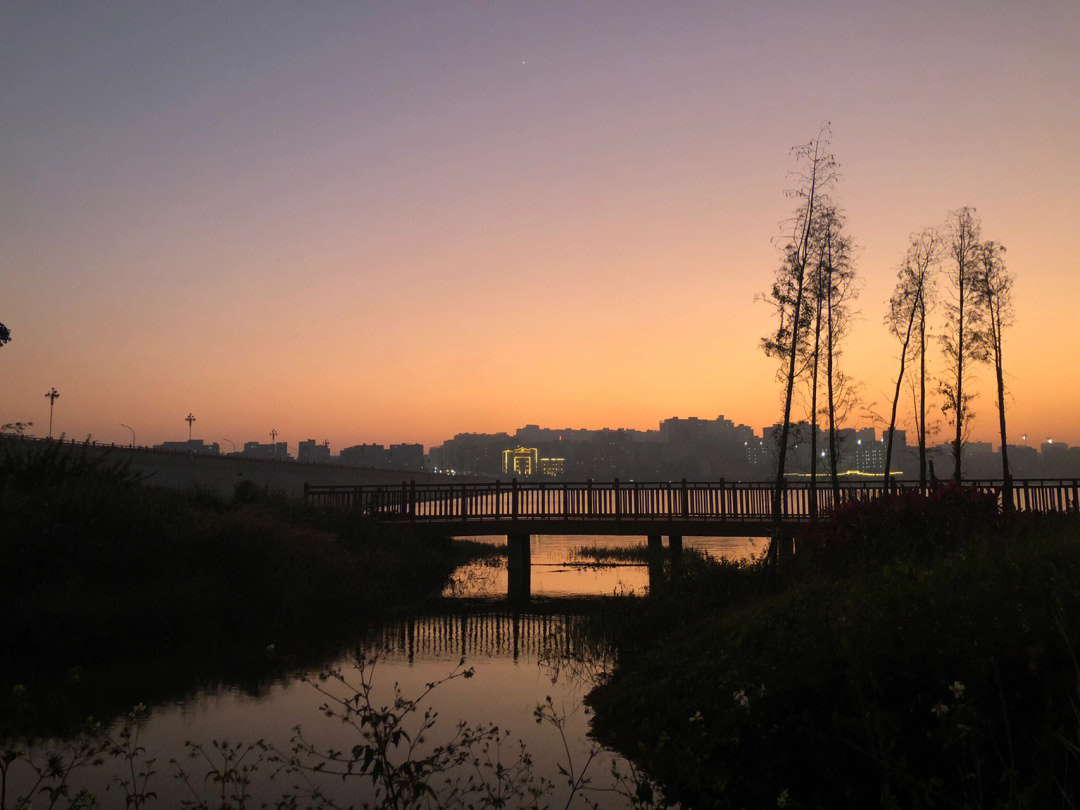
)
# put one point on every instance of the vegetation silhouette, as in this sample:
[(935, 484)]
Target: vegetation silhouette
[(107, 580)]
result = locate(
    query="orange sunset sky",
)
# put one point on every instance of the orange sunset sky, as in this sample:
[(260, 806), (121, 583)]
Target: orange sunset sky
[(395, 222)]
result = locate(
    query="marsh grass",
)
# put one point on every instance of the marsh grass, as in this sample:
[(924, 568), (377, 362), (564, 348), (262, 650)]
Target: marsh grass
[(613, 554), (107, 581)]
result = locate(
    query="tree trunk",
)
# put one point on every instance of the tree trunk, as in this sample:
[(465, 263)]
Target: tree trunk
[(958, 442), (813, 404), (922, 394), (1006, 474), (896, 397), (830, 383)]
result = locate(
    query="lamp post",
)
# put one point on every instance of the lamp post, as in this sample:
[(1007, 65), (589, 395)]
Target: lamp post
[(189, 419), (129, 427), (230, 441), (273, 443), (52, 396)]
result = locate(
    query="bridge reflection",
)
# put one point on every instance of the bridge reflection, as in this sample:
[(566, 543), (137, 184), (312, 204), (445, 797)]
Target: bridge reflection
[(487, 632)]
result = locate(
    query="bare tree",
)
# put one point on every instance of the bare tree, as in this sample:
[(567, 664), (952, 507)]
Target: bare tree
[(812, 361), (960, 343), (907, 318), (838, 290), (816, 173), (993, 294)]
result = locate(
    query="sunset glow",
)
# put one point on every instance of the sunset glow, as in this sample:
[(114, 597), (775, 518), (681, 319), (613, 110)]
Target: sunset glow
[(387, 223)]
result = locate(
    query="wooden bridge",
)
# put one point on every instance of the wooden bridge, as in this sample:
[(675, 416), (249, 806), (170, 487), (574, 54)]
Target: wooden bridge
[(676, 509), (714, 508)]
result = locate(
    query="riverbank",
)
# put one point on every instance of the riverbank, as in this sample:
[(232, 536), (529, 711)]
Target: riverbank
[(920, 654), (109, 585)]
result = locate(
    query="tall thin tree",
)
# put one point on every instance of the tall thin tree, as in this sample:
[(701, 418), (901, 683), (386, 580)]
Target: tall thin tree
[(812, 348), (905, 306), (960, 343), (838, 289), (816, 174), (993, 292)]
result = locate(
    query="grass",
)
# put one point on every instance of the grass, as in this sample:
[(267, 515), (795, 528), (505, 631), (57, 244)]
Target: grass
[(602, 554), (108, 583), (914, 659)]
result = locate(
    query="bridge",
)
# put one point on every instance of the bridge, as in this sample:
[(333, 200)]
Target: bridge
[(518, 510)]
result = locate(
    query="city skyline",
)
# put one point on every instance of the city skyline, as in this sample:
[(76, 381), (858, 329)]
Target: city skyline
[(397, 224)]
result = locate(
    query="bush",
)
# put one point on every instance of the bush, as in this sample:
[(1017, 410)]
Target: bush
[(906, 526)]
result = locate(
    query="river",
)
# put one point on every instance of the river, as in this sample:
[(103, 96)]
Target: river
[(518, 659)]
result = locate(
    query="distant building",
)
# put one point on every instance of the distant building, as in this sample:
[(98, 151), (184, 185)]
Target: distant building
[(406, 457), (1055, 458), (272, 451), (552, 467), (312, 452), (523, 461), (365, 455)]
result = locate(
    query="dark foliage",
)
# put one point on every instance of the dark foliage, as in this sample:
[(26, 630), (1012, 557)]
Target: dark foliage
[(909, 526), (106, 582), (934, 666)]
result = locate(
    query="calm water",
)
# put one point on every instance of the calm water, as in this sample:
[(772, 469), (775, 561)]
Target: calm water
[(519, 659), (557, 571)]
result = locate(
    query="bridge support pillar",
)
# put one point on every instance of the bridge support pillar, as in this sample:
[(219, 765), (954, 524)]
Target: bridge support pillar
[(674, 542), (656, 561), (519, 567)]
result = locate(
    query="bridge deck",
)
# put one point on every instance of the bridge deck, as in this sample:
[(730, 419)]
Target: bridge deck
[(715, 508)]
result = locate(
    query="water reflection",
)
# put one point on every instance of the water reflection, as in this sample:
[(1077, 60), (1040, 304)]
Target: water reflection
[(538, 655), (560, 570)]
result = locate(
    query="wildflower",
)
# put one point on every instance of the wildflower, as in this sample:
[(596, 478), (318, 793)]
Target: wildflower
[(782, 799), (696, 718), (741, 698), (957, 689), (940, 709), (270, 648)]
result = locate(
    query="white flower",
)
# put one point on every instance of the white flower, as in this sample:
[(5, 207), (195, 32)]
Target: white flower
[(697, 718), (782, 799), (741, 698), (957, 689), (940, 709)]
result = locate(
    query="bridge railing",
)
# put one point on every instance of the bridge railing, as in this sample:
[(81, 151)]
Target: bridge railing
[(685, 500)]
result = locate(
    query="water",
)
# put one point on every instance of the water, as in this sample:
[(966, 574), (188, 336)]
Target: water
[(558, 571), (519, 658)]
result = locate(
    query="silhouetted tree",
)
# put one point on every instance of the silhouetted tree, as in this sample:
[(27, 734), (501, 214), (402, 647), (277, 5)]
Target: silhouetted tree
[(816, 173), (907, 318), (960, 341), (926, 304), (5, 335), (993, 294), (838, 290), (812, 349)]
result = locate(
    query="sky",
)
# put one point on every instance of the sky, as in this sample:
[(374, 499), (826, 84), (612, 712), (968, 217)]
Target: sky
[(395, 222)]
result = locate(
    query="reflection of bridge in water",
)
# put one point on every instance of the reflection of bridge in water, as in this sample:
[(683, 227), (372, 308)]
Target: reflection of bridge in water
[(488, 634)]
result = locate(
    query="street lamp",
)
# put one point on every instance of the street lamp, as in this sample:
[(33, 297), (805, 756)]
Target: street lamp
[(129, 427), (189, 419), (52, 397), (230, 441)]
